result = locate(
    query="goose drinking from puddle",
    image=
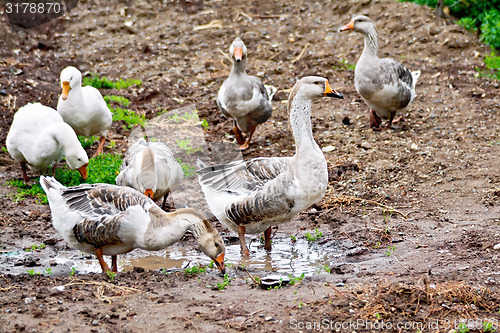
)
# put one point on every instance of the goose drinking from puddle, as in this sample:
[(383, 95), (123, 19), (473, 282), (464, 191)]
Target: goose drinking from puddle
[(385, 84), (39, 137), (243, 97), (109, 220), (151, 168), (251, 196), (83, 108)]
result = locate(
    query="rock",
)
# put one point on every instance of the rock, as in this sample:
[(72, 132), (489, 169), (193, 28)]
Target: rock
[(497, 247), (366, 145), (328, 149)]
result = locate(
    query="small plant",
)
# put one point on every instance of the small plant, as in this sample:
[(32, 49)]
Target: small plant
[(226, 282), (195, 270), (32, 272), (47, 271), (87, 142), (5, 149), (111, 275), (103, 82), (23, 191), (390, 250), (325, 268), (163, 271), (293, 238), (73, 271), (301, 304), (314, 237), (175, 117), (112, 144), (117, 99), (468, 23), (462, 328), (294, 280), (128, 116), (187, 146), (187, 169), (488, 327), (204, 124), (35, 248)]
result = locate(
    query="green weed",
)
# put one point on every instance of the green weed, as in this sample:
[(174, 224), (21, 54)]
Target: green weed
[(195, 270), (294, 280), (390, 251), (462, 328), (187, 169), (187, 146), (311, 238), (23, 191), (128, 116), (110, 275), (117, 99), (103, 82), (226, 282), (87, 142), (325, 268), (73, 271), (488, 327), (35, 248), (5, 149)]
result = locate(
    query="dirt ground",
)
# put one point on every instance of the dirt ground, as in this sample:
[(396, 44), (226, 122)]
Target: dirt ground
[(418, 206)]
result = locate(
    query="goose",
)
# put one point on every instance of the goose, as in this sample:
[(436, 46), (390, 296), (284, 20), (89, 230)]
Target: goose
[(104, 219), (151, 168), (38, 137), (243, 97), (253, 195), (385, 84), (83, 108)]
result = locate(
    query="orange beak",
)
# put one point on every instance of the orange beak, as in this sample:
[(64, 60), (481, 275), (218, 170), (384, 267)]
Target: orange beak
[(330, 92), (348, 26), (238, 53), (66, 88), (83, 171), (219, 261), (149, 193)]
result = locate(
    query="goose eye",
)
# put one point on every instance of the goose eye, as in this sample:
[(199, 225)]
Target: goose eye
[(217, 245), (317, 83)]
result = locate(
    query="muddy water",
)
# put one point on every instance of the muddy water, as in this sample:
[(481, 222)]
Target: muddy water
[(286, 257)]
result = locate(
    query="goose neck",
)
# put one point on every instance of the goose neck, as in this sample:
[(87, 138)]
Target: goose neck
[(239, 67), (371, 43), (300, 122)]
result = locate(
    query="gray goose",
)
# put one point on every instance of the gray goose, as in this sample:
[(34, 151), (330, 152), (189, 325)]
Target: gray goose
[(243, 97), (385, 84), (105, 219), (253, 195), (151, 168)]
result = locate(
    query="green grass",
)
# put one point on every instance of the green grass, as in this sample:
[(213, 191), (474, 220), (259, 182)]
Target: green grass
[(103, 82), (34, 248), (295, 280), (187, 169), (311, 238), (187, 146), (87, 142), (175, 117), (117, 99), (128, 116), (110, 275), (195, 270), (226, 282), (101, 169)]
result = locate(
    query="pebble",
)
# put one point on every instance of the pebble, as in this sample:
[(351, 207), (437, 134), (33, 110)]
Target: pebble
[(366, 145), (3, 92), (328, 149), (496, 247), (95, 322)]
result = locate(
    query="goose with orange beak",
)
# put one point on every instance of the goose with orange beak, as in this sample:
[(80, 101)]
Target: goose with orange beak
[(253, 195), (151, 168), (83, 108), (105, 219), (243, 98), (385, 84), (39, 138)]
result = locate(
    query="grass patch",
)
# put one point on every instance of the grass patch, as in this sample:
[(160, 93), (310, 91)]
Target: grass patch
[(128, 116), (187, 169), (117, 99), (103, 82), (102, 169), (187, 146), (175, 117), (87, 142)]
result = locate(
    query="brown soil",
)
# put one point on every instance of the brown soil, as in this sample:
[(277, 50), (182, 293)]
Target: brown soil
[(428, 191)]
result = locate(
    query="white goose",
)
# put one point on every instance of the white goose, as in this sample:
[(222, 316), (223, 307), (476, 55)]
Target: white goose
[(385, 84), (107, 219), (251, 196), (83, 108), (151, 168), (243, 97), (39, 137)]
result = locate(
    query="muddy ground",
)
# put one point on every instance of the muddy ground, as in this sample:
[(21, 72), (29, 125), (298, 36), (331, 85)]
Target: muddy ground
[(414, 212)]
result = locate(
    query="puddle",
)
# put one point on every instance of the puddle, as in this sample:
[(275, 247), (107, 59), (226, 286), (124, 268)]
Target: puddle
[(285, 258)]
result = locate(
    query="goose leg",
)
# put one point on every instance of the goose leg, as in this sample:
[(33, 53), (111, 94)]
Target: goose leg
[(375, 120), (100, 148), (247, 142), (237, 134), (114, 264), (267, 239), (391, 118), (243, 244), (25, 175), (104, 266), (164, 200)]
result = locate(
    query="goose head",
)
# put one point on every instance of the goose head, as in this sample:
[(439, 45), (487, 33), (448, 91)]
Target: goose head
[(70, 78), (313, 88), (77, 159), (360, 24), (212, 245), (238, 50), (147, 181)]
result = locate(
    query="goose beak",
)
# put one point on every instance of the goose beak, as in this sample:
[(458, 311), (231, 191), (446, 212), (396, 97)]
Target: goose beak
[(149, 193), (348, 26), (238, 53), (219, 261), (83, 171), (66, 88), (330, 92)]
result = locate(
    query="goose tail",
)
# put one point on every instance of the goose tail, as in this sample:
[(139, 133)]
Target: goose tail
[(49, 183), (415, 75)]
